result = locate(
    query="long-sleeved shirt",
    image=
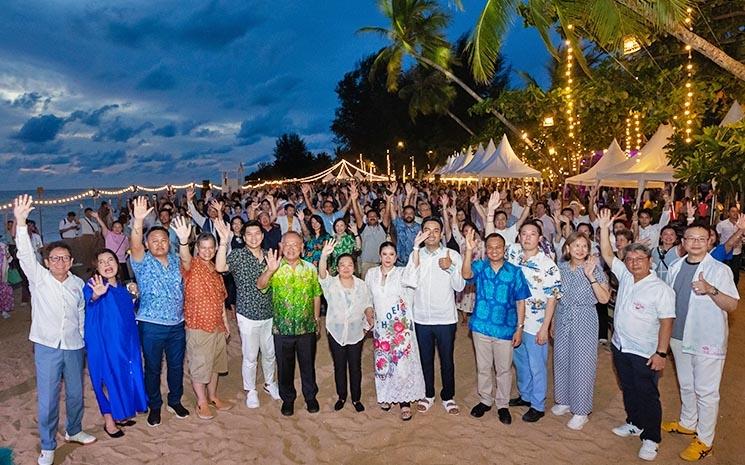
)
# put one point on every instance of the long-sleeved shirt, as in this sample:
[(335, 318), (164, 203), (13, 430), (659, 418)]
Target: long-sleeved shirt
[(651, 233), (57, 308), (434, 298)]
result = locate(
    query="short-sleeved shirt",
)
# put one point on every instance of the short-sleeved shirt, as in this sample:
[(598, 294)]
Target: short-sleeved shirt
[(272, 238), (246, 269), (293, 291), (328, 220), (405, 234), (346, 244), (161, 290), (497, 294), (314, 247), (204, 297), (544, 280), (372, 237)]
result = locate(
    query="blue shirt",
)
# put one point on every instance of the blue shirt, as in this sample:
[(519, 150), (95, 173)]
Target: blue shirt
[(720, 253), (329, 220), (495, 311), (161, 290), (405, 234)]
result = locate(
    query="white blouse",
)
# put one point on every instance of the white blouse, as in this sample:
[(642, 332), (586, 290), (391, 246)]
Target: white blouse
[(345, 315)]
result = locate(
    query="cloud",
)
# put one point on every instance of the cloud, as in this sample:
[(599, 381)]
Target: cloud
[(101, 160), (158, 79), (119, 132), (274, 90), (154, 157), (169, 130), (204, 153), (40, 129), (270, 124), (92, 118), (30, 101)]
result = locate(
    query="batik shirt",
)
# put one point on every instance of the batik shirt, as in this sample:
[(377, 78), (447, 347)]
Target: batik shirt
[(293, 292), (544, 280), (246, 269), (314, 247), (347, 244), (405, 234), (161, 290)]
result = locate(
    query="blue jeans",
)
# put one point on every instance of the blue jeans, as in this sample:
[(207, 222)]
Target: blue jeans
[(530, 365), (52, 366), (157, 339)]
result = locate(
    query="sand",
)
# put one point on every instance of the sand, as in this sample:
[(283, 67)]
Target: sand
[(243, 436)]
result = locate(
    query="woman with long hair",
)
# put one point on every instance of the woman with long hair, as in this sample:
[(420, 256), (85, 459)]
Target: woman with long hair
[(113, 346), (315, 236)]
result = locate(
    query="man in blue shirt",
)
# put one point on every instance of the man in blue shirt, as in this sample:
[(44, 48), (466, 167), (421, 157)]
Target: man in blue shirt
[(497, 321), (161, 314), (406, 229)]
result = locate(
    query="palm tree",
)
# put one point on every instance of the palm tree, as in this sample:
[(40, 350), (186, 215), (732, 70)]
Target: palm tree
[(417, 31), (607, 22)]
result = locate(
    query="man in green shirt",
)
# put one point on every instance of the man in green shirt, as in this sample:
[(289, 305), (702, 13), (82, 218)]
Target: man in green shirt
[(296, 298)]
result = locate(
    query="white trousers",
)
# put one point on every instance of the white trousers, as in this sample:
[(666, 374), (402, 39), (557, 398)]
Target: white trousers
[(699, 379), (256, 335)]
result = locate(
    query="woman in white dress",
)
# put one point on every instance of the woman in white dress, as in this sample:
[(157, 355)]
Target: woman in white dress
[(398, 370)]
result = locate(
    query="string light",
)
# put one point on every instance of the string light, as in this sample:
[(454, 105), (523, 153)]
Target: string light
[(688, 103), (638, 131), (628, 135), (571, 115)]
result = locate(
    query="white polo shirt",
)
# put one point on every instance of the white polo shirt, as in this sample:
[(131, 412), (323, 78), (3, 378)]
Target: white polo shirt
[(639, 308)]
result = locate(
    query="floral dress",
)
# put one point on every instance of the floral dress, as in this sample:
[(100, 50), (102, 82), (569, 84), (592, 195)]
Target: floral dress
[(314, 247), (6, 291), (398, 370)]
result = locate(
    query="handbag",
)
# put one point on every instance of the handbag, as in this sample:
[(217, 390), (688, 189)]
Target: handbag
[(14, 276)]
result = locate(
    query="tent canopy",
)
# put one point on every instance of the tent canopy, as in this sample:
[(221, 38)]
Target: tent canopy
[(477, 164), (613, 156), (650, 166), (477, 157), (505, 164), (734, 115), (462, 160)]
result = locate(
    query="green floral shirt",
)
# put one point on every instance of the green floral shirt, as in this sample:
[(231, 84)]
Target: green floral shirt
[(293, 292), (347, 244)]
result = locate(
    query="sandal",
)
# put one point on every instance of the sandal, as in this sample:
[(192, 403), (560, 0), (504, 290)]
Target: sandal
[(385, 406), (425, 404), (220, 405), (204, 412), (406, 413), (129, 422), (451, 407)]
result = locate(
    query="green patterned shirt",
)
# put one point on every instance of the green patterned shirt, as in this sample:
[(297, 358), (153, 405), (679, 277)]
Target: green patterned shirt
[(293, 292), (347, 244)]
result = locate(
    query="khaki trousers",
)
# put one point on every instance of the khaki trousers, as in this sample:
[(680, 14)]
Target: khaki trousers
[(493, 356)]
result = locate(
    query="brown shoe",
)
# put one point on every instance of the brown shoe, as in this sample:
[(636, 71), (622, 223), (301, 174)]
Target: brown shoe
[(220, 405), (204, 412)]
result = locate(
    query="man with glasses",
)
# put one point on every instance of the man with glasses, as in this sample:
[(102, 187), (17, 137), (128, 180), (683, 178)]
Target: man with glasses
[(705, 293), (57, 322)]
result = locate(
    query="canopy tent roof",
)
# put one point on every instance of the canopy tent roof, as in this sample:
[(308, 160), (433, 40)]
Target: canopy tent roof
[(460, 161), (480, 162), (505, 164), (612, 156), (478, 155), (734, 115), (650, 167)]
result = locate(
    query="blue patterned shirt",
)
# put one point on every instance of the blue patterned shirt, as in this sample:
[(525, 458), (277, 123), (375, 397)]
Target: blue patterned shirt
[(405, 234), (161, 290), (497, 294)]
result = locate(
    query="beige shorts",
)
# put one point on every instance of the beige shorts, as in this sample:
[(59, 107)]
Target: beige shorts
[(206, 354)]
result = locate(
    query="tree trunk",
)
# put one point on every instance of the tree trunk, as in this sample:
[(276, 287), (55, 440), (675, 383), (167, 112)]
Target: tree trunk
[(460, 123), (476, 96)]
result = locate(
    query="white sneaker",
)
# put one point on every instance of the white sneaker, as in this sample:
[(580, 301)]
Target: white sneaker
[(627, 430), (46, 457), (273, 390), (577, 422), (81, 438), (559, 409), (252, 399), (648, 451)]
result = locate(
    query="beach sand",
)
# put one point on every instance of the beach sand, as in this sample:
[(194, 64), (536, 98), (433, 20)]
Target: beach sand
[(243, 436)]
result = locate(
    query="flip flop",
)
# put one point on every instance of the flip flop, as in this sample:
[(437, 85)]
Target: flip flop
[(425, 404)]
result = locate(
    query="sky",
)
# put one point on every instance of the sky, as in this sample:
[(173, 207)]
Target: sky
[(103, 94)]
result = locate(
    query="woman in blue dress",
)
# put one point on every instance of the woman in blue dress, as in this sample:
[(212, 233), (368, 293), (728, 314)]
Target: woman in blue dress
[(113, 346)]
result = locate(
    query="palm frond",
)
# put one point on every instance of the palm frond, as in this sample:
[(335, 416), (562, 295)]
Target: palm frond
[(486, 38), (540, 12)]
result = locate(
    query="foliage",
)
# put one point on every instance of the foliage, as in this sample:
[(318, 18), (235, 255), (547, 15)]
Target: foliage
[(292, 159)]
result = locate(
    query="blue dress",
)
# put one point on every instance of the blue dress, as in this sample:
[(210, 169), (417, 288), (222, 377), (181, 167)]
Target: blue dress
[(113, 349)]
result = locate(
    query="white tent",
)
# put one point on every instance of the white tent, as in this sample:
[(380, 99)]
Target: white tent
[(734, 115), (650, 167), (477, 157), (460, 161), (477, 165), (613, 156), (505, 164)]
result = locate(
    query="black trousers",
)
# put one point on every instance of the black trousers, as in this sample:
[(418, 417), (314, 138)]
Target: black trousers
[(602, 320), (443, 337), (734, 265), (286, 349), (347, 358), (641, 398)]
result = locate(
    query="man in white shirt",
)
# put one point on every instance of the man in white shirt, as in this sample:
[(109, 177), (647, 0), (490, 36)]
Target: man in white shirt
[(643, 320), (705, 294), (648, 233), (497, 221), (57, 322), (69, 226), (726, 229), (89, 225), (435, 272)]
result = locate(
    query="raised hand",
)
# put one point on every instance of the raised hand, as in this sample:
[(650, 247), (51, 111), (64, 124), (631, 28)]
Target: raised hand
[(182, 226), (471, 240), (353, 193), (353, 227), (494, 201), (98, 285), (444, 199), (300, 215), (529, 200), (328, 247), (604, 219), (421, 236), (272, 260), (702, 286), (445, 262), (190, 194), (305, 189), (741, 221), (94, 214), (409, 189), (223, 230), (22, 206), (141, 210), (217, 205), (690, 210), (589, 266), (393, 187)]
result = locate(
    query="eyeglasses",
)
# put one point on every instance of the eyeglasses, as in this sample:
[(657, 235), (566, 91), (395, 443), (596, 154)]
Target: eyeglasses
[(57, 258), (700, 240), (636, 259)]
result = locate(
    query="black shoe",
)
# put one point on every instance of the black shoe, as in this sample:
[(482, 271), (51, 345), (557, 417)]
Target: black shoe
[(519, 402), (119, 433), (339, 404), (532, 415), (153, 418), (178, 410), (479, 410), (288, 408), (358, 406), (504, 416), (312, 406), (129, 422)]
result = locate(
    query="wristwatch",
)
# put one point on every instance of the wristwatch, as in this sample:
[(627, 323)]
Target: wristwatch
[(661, 354)]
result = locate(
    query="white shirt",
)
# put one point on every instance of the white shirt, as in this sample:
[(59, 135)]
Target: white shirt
[(706, 328), (726, 229), (509, 235), (639, 308), (37, 245), (57, 308), (651, 233), (434, 297), (345, 316), (88, 226), (70, 234), (284, 224)]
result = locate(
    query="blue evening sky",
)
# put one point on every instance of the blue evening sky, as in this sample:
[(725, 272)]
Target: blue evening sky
[(114, 93)]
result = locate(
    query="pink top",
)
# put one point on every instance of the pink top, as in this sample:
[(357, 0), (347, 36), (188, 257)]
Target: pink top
[(119, 243)]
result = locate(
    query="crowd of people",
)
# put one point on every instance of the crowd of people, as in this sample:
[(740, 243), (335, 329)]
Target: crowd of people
[(407, 263)]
